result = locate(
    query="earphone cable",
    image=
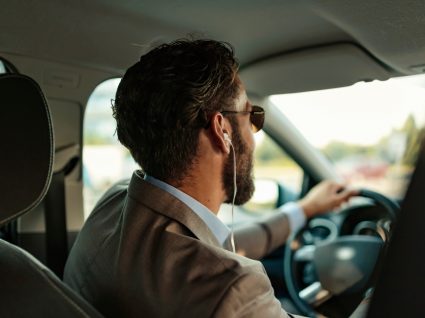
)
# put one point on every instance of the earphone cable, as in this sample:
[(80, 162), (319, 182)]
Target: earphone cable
[(235, 190)]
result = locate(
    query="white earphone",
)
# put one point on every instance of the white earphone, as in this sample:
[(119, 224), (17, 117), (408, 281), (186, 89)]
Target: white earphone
[(227, 138)]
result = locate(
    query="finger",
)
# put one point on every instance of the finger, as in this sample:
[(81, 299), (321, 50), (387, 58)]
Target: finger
[(340, 186), (347, 193)]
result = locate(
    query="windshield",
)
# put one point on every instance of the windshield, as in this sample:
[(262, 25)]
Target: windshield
[(370, 131)]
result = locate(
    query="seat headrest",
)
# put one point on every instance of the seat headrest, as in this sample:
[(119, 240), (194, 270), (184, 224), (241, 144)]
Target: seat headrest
[(27, 146)]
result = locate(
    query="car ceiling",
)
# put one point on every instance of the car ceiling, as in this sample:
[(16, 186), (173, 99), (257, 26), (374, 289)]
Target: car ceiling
[(111, 35)]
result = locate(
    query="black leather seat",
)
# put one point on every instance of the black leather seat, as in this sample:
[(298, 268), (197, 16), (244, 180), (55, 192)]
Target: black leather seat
[(27, 288)]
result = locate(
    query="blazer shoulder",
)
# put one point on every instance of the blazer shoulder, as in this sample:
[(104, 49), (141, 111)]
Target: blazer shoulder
[(251, 295)]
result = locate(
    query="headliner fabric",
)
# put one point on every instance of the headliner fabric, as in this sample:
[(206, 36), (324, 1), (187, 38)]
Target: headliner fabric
[(27, 146)]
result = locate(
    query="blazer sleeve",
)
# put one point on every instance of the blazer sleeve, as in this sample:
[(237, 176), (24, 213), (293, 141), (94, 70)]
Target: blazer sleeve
[(259, 239), (251, 295)]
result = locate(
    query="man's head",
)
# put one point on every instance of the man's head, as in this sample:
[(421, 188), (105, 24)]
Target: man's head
[(166, 99)]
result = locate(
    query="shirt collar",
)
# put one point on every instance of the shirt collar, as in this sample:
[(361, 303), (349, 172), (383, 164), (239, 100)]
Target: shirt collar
[(218, 228)]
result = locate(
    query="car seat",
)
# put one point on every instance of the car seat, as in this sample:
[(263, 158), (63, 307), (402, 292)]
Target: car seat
[(28, 288)]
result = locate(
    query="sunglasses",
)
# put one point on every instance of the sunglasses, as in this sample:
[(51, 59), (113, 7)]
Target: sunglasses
[(256, 116)]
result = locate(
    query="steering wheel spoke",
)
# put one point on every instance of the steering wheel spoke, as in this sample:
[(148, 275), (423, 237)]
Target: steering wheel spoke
[(305, 253), (315, 294)]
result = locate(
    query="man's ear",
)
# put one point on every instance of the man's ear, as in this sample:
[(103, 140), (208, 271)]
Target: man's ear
[(220, 128)]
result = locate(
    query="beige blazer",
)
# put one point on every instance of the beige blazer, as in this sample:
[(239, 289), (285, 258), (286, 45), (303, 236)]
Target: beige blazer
[(144, 253)]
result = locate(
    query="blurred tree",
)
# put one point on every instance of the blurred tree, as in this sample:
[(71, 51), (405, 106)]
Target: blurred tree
[(268, 152), (414, 138), (337, 150)]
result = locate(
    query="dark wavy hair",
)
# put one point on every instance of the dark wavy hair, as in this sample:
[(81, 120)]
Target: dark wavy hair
[(165, 99)]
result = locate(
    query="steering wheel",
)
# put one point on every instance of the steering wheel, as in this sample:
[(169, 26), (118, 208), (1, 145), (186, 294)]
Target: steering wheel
[(336, 265)]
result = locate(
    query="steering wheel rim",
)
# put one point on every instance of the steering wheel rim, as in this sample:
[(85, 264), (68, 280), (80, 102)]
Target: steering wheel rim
[(391, 207)]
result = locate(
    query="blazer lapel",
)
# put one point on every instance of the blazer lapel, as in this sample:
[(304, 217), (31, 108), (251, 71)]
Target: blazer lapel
[(164, 203)]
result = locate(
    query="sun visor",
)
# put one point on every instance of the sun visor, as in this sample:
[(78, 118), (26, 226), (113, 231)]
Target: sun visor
[(316, 68), (26, 146)]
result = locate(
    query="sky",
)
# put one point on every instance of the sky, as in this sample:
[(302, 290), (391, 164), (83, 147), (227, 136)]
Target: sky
[(360, 114)]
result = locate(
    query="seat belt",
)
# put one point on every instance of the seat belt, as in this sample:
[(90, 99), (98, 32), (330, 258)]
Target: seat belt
[(55, 212)]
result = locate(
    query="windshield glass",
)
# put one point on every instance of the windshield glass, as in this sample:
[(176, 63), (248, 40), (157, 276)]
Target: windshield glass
[(370, 131)]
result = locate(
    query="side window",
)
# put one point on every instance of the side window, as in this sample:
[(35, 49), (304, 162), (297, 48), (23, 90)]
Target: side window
[(278, 178), (105, 160), (7, 67), (2, 68)]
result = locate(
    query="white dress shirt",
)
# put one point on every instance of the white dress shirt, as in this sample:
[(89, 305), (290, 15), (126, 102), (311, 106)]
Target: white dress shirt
[(294, 212)]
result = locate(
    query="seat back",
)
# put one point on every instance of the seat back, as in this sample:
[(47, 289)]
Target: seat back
[(27, 146), (399, 290), (28, 289)]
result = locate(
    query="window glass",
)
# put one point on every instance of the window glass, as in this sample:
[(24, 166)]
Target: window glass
[(2, 68), (7, 67), (105, 160), (370, 131), (272, 162)]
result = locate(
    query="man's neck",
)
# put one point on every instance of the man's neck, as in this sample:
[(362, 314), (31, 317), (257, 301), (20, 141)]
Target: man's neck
[(204, 189), (204, 183), (204, 179)]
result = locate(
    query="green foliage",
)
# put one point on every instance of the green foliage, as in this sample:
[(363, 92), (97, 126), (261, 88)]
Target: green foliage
[(95, 138), (268, 152), (338, 150), (414, 140)]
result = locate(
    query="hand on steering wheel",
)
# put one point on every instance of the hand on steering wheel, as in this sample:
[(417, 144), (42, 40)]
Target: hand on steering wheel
[(324, 197)]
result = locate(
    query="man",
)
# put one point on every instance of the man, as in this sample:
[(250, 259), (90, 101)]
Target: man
[(157, 249)]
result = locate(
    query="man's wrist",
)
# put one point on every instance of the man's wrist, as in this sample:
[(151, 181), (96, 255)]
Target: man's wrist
[(306, 207), (295, 215)]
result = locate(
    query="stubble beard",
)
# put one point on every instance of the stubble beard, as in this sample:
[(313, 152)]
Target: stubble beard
[(244, 170)]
